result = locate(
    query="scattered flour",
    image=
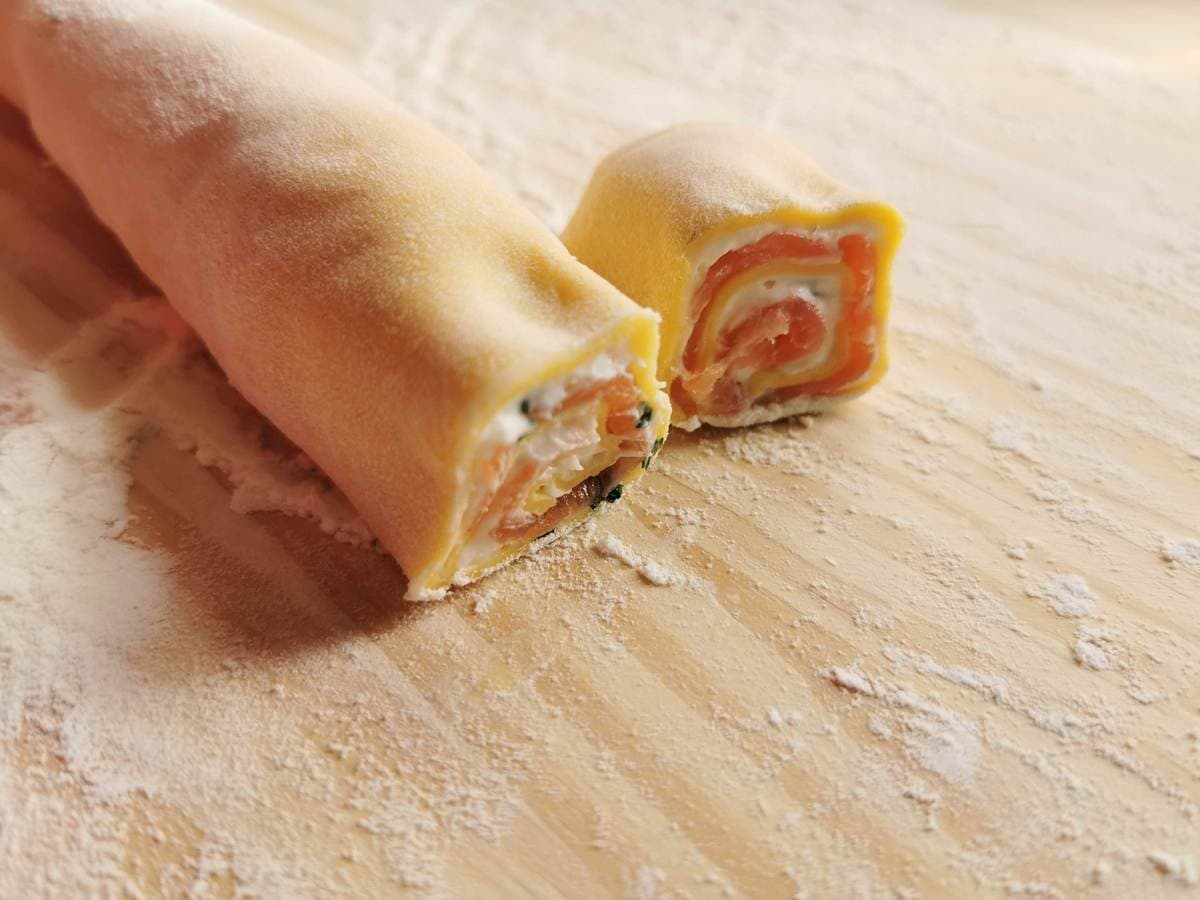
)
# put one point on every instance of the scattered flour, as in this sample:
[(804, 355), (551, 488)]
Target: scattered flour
[(646, 883), (944, 746), (1068, 595), (851, 680), (1017, 550), (1091, 655), (1181, 551), (483, 602), (935, 738), (159, 705), (1033, 889), (992, 686), (683, 515), (1010, 439), (1177, 867), (1144, 695), (612, 547)]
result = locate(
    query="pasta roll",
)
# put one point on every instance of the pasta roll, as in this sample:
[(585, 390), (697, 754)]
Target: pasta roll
[(430, 344), (772, 279)]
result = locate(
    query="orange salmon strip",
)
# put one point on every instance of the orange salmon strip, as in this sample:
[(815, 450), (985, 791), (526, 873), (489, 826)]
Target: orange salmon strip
[(780, 333)]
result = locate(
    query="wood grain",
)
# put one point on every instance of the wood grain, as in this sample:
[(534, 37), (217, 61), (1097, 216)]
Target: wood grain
[(856, 686)]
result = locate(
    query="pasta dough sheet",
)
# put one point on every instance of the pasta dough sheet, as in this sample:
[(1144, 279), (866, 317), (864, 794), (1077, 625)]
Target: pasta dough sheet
[(465, 382)]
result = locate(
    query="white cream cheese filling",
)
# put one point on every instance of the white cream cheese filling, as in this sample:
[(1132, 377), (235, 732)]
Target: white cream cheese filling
[(561, 447)]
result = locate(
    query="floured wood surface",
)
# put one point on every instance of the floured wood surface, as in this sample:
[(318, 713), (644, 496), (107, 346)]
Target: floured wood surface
[(946, 640)]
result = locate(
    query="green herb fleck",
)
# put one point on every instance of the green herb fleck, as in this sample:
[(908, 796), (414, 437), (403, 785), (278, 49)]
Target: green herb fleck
[(645, 413), (615, 494), (526, 406), (658, 442)]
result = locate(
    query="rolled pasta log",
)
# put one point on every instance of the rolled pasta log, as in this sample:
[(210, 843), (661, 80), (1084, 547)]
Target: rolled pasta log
[(770, 277), (468, 385)]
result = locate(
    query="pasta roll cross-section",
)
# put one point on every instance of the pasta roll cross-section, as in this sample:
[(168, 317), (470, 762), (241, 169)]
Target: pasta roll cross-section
[(772, 279)]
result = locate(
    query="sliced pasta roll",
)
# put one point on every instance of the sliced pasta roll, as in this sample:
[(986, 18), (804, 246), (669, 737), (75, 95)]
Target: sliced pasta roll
[(772, 279)]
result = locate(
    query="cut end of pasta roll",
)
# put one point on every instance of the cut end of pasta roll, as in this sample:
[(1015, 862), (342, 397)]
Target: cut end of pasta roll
[(786, 314), (554, 453), (771, 278)]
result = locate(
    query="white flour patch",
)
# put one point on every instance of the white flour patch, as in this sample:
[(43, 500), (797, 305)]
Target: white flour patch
[(1017, 550), (612, 547), (482, 602), (1091, 655), (1094, 648), (1143, 694), (1181, 551), (851, 680), (1067, 595), (944, 746), (935, 738), (62, 508), (1011, 439), (991, 686), (1179, 868)]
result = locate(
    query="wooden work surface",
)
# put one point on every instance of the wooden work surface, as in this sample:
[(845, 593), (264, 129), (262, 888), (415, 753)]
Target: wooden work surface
[(944, 641)]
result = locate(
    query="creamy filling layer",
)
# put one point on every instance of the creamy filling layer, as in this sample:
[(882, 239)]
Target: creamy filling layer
[(562, 446)]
